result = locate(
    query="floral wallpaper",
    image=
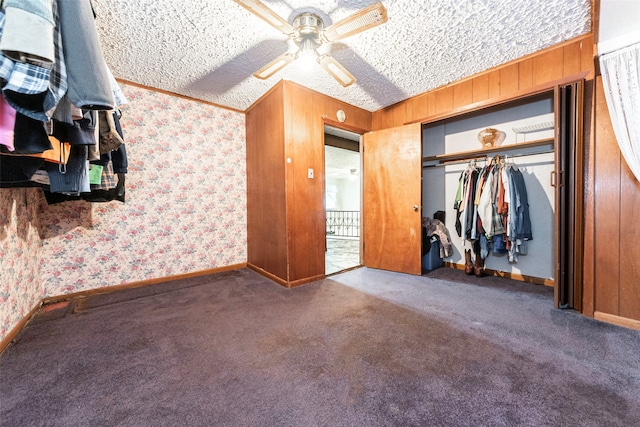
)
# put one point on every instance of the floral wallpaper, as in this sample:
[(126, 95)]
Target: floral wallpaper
[(20, 254), (185, 209)]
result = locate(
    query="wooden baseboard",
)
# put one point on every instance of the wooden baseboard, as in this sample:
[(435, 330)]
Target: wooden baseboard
[(16, 329), (115, 288), (514, 276), (625, 322), (282, 282), (105, 290), (265, 273)]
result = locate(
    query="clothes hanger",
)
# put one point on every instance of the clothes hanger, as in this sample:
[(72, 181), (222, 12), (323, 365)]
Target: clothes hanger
[(512, 165)]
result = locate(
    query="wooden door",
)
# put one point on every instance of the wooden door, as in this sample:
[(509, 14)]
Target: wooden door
[(392, 192), (568, 181)]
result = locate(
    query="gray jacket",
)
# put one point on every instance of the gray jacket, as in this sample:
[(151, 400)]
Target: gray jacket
[(87, 75)]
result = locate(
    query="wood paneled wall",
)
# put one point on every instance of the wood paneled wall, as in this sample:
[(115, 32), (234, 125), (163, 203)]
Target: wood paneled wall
[(502, 83), (285, 138), (266, 196), (306, 112), (613, 207)]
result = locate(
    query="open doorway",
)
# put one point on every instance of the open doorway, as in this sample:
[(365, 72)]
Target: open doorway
[(343, 185)]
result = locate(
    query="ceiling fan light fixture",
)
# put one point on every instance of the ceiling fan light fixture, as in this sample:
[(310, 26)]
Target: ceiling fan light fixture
[(261, 10), (366, 18), (274, 66), (307, 54), (337, 71), (308, 34), (307, 48)]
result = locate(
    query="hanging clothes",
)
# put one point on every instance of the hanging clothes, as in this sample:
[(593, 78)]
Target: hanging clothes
[(89, 85), (492, 209), (56, 84), (519, 217), (32, 86)]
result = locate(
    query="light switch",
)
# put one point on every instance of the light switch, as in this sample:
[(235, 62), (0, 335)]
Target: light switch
[(310, 174)]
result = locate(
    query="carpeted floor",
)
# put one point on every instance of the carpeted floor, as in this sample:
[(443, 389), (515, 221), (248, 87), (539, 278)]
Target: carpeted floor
[(361, 348)]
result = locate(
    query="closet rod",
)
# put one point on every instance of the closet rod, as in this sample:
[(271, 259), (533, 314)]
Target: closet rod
[(484, 158)]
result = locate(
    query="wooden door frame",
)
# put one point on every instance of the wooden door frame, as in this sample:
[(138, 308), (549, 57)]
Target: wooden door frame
[(339, 125)]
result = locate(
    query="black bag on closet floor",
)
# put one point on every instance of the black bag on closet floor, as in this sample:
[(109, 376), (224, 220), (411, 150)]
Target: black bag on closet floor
[(427, 241), (430, 252)]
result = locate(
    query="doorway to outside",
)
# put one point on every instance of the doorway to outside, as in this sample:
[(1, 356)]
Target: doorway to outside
[(343, 185)]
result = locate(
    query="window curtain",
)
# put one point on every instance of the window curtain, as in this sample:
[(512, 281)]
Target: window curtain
[(621, 80)]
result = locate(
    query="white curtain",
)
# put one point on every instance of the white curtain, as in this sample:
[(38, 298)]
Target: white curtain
[(621, 80)]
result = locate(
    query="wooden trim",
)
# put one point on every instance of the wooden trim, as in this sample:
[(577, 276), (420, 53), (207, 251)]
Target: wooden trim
[(507, 275), (558, 243), (132, 285), (106, 290), (476, 106), (595, 19), (588, 264), (502, 67), (177, 95), (617, 320), (268, 275), (16, 329), (345, 126), (513, 62), (464, 155), (283, 282), (522, 58)]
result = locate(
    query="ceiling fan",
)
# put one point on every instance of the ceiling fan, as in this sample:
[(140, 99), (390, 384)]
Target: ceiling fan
[(308, 34)]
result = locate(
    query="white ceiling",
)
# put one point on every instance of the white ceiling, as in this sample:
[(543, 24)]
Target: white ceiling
[(341, 133), (209, 49), (339, 163)]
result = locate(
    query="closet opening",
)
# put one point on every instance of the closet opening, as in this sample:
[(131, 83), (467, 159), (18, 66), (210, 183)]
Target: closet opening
[(530, 150), (342, 201)]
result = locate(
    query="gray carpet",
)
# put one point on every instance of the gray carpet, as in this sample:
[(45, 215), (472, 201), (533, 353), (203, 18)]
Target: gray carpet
[(361, 348)]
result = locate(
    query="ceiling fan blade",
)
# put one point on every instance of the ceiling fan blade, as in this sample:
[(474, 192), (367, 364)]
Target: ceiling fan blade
[(261, 10), (274, 66), (336, 70), (366, 18)]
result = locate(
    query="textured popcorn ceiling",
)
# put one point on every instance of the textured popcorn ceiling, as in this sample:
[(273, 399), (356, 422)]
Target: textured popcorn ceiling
[(209, 49)]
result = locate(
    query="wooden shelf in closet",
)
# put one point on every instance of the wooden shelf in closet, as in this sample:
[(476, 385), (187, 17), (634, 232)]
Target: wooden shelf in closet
[(482, 152)]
